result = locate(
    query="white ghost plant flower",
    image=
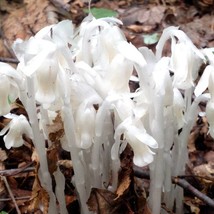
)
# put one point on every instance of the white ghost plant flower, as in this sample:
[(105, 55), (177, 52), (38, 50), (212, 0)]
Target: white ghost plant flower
[(139, 140), (46, 76), (185, 60), (40, 62), (16, 128), (4, 94), (207, 81), (183, 65), (9, 81)]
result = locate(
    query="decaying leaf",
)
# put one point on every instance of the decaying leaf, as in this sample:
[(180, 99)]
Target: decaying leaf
[(56, 129), (123, 185), (3, 155), (144, 15), (135, 28), (193, 205), (52, 157), (205, 171), (102, 201), (39, 198)]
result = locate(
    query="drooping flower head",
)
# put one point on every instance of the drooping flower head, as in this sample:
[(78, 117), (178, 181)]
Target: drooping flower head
[(9, 82), (16, 128)]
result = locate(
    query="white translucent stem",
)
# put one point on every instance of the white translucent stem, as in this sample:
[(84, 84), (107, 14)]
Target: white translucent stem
[(45, 121), (86, 157), (107, 161), (179, 200), (39, 143), (79, 172), (167, 171), (115, 163), (184, 135), (60, 188), (156, 185), (157, 176), (95, 161), (169, 198), (182, 157)]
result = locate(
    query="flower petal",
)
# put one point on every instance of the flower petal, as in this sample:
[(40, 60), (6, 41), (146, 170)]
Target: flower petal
[(204, 81), (17, 127)]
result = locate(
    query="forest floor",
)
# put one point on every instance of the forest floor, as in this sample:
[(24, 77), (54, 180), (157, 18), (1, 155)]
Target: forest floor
[(143, 23)]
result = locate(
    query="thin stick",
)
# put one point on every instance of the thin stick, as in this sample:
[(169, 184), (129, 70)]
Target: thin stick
[(11, 194), (16, 198), (186, 185), (12, 172), (9, 60), (182, 183)]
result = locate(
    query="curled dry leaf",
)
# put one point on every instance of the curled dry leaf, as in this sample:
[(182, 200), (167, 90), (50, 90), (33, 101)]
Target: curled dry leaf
[(206, 172), (193, 204), (56, 129), (39, 198), (126, 173), (102, 201), (123, 185)]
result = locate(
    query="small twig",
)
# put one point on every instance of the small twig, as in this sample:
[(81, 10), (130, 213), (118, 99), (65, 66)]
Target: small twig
[(196, 176), (9, 60), (12, 172), (16, 198), (11, 194), (182, 183), (186, 185)]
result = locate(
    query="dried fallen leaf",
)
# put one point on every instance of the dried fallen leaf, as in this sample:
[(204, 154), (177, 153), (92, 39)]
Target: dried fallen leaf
[(103, 201), (123, 185), (56, 129), (206, 172), (136, 28), (39, 198), (3, 155), (193, 205)]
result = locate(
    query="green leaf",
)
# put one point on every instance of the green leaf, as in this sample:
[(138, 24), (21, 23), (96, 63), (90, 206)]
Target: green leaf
[(151, 39), (3, 212), (101, 12)]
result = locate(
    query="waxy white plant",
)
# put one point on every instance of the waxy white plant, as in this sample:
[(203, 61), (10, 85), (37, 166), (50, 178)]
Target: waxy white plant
[(83, 74)]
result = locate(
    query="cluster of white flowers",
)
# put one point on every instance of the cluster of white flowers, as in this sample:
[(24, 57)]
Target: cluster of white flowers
[(83, 74)]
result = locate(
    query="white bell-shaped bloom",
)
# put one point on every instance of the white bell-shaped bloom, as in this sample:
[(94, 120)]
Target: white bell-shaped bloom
[(139, 140), (92, 41), (40, 62), (46, 76), (17, 127), (4, 94), (185, 60), (9, 81), (185, 65), (173, 33), (207, 81)]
